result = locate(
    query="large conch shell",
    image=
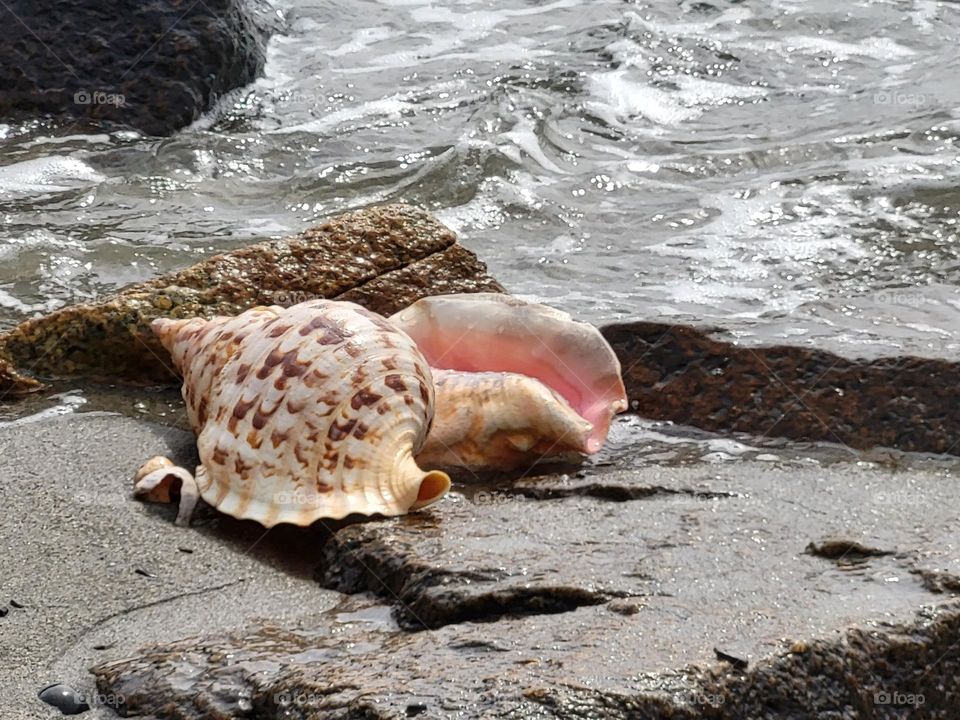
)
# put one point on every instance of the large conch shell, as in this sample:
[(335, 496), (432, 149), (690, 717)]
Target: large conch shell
[(526, 382), (309, 412)]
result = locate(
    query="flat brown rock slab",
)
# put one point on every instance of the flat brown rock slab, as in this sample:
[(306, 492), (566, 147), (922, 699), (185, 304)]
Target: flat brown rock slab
[(575, 666), (684, 375), (384, 258), (688, 593)]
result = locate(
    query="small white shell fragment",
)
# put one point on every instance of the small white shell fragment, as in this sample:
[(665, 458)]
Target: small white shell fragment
[(155, 463)]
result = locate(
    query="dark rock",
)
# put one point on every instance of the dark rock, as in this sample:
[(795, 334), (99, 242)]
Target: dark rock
[(154, 65), (939, 582), (15, 604), (512, 592), (65, 699), (4, 611), (384, 258), (839, 549), (684, 375)]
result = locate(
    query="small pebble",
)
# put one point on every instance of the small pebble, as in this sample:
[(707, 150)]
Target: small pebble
[(143, 572), (185, 550), (3, 612), (624, 607), (14, 603), (64, 698), (416, 709)]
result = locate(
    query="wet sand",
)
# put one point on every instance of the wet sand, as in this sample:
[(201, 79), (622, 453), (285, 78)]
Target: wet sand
[(73, 541), (583, 592)]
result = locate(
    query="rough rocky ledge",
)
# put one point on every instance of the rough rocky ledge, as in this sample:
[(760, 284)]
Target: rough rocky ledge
[(731, 591), (384, 258), (691, 377)]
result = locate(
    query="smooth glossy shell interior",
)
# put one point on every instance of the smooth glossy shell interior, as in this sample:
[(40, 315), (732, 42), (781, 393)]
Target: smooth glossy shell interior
[(483, 332)]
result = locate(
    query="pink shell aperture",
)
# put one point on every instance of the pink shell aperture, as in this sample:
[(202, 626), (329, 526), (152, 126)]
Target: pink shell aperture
[(492, 333), (313, 411)]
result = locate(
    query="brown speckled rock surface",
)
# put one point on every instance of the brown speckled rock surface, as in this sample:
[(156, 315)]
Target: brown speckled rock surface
[(652, 593), (686, 376), (384, 258)]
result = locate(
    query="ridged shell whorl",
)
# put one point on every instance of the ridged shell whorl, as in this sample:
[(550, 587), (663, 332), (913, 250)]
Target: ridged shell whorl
[(313, 411)]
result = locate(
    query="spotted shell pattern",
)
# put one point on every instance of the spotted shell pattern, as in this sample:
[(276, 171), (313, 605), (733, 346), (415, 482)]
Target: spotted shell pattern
[(308, 412)]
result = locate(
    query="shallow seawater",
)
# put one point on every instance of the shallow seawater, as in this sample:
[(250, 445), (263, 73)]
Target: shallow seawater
[(785, 170)]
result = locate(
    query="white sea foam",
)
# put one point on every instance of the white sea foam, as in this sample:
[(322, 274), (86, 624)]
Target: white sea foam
[(362, 39), (388, 108), (619, 95), (40, 239), (739, 254), (57, 173), (11, 302), (523, 138), (879, 48)]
